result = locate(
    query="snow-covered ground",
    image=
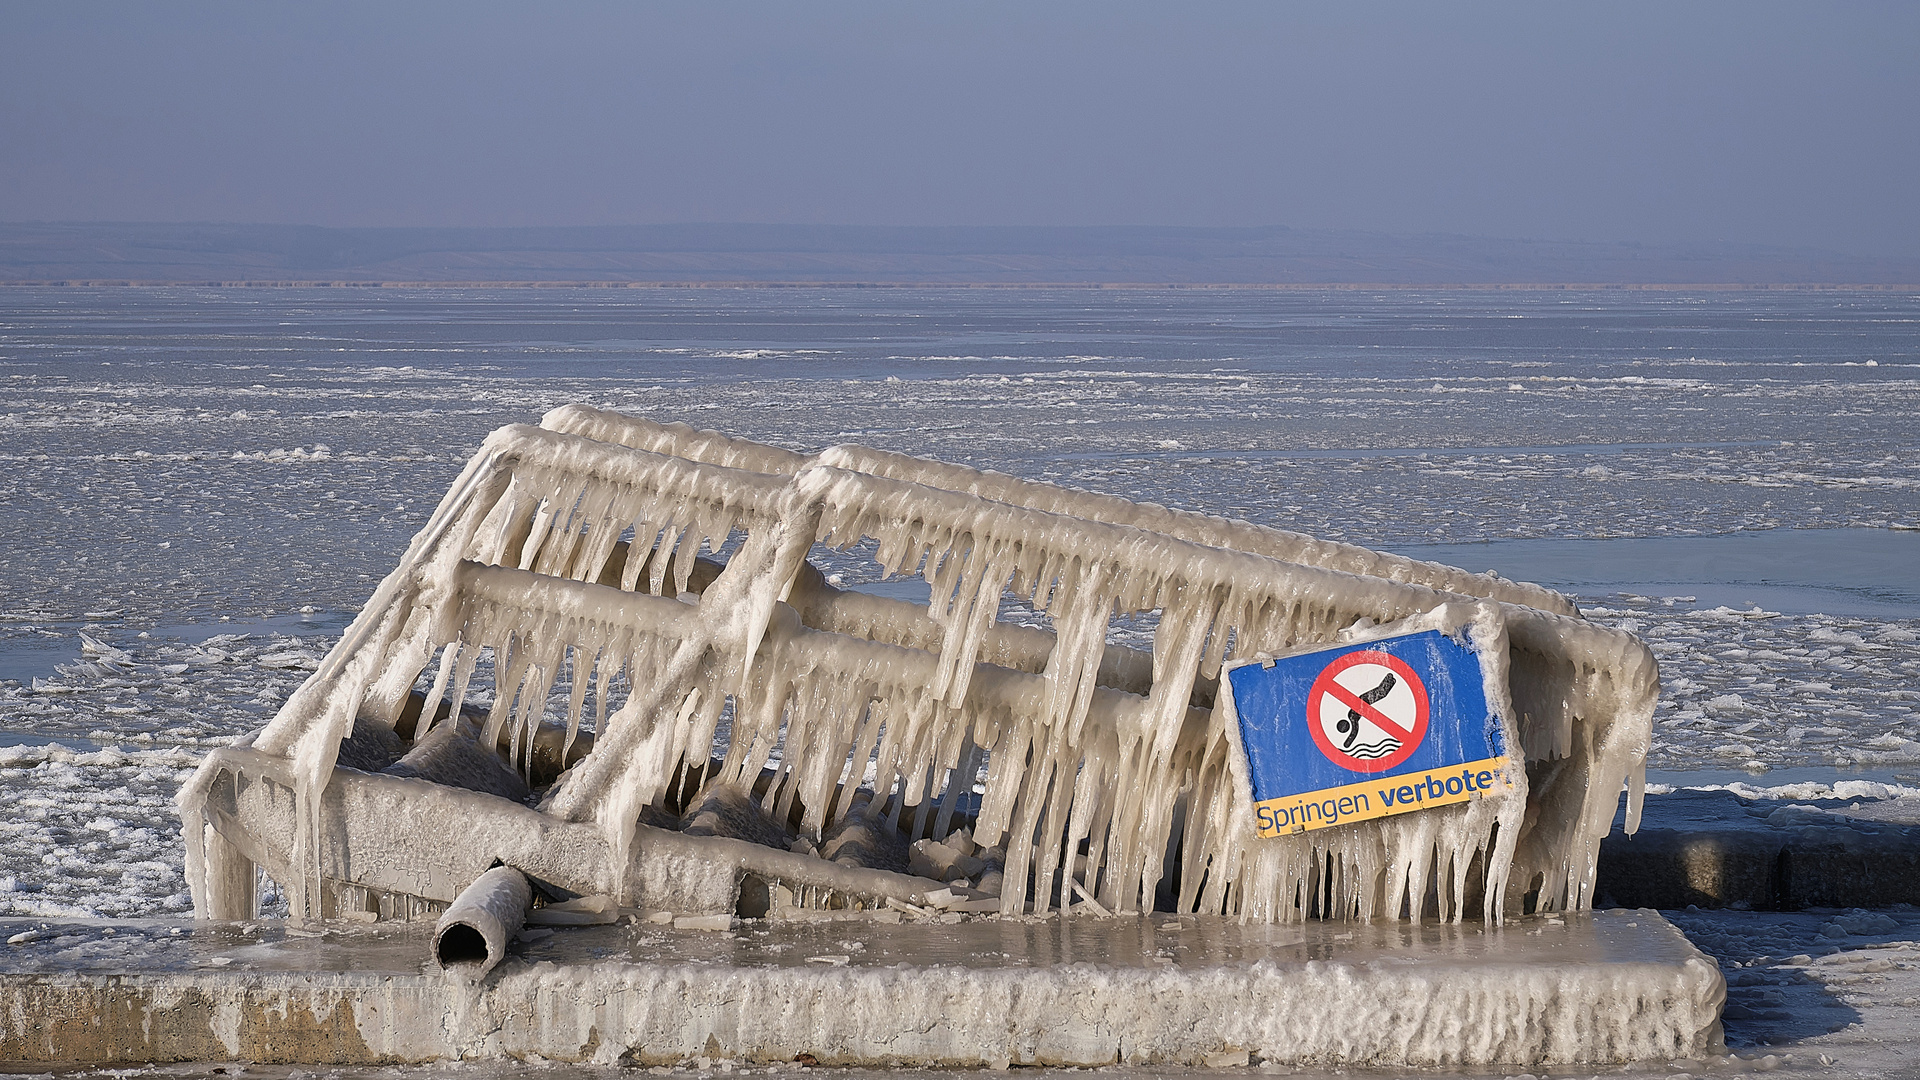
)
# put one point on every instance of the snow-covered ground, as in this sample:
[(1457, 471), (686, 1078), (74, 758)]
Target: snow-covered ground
[(200, 486)]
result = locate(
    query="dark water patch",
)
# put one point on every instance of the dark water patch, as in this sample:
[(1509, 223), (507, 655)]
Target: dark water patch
[(1908, 775), (1866, 572), (71, 742), (912, 590), (297, 624)]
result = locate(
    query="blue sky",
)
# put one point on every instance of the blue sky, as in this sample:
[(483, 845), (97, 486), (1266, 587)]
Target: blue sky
[(1751, 122)]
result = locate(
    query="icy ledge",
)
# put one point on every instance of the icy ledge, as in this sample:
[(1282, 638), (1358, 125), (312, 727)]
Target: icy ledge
[(1575, 989)]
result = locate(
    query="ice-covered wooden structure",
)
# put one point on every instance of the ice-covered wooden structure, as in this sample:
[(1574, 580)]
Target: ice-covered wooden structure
[(612, 660)]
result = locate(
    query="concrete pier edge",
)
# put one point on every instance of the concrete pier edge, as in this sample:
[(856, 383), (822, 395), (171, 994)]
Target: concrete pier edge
[(1718, 849), (1603, 988)]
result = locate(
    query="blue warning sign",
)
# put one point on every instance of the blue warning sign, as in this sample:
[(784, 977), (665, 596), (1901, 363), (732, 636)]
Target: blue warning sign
[(1366, 731)]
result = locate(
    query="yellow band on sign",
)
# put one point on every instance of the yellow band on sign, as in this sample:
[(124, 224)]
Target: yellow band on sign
[(1381, 797)]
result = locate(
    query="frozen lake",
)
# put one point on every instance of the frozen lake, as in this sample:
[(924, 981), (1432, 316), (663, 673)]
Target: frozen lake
[(207, 483)]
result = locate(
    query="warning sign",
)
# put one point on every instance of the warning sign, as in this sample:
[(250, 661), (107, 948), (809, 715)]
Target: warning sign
[(1366, 731)]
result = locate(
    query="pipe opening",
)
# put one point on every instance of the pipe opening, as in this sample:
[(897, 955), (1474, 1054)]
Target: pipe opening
[(461, 944), (755, 899)]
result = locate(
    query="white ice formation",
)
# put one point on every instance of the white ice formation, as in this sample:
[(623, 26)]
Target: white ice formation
[(567, 561)]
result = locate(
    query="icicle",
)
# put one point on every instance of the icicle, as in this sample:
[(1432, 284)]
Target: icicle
[(579, 677), (449, 657), (639, 553), (1177, 646)]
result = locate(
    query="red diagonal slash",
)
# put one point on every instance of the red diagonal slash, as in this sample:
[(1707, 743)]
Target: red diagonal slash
[(1352, 701)]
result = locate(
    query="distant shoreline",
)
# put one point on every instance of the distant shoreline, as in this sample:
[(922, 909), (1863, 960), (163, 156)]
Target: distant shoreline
[(679, 257), (1257, 286)]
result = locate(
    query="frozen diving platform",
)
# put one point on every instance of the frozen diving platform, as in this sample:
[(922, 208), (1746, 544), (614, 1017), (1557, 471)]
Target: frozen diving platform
[(1573, 988)]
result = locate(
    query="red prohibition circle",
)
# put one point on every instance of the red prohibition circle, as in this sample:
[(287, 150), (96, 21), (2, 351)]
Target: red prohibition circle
[(1322, 686)]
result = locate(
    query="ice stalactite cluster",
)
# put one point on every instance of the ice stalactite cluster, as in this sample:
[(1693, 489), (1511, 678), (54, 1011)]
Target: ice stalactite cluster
[(1103, 772)]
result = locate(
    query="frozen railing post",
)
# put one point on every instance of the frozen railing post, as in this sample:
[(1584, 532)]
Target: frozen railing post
[(579, 566)]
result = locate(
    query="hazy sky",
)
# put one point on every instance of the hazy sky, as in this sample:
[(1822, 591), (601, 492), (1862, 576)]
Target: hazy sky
[(1795, 124)]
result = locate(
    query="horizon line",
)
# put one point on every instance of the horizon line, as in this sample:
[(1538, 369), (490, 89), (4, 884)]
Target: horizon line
[(1276, 286)]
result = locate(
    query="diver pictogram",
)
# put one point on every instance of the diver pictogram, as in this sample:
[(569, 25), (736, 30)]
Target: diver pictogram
[(1367, 711)]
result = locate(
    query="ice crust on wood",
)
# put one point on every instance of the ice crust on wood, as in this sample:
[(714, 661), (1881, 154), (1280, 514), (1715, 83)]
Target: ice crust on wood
[(576, 548)]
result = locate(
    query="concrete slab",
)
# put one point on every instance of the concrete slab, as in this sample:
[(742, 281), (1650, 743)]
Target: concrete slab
[(1613, 987), (1715, 849)]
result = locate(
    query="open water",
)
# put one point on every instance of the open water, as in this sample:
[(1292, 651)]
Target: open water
[(198, 488)]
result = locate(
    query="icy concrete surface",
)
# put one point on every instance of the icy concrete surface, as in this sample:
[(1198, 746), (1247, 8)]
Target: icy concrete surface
[(726, 1069), (1802, 1001), (1603, 988), (107, 946)]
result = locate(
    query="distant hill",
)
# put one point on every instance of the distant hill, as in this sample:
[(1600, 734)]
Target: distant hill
[(152, 253)]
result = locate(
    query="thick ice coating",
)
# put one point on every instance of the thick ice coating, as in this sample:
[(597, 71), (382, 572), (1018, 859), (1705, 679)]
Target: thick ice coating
[(575, 567)]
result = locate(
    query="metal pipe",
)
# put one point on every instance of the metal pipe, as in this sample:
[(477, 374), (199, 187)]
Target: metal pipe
[(471, 937)]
